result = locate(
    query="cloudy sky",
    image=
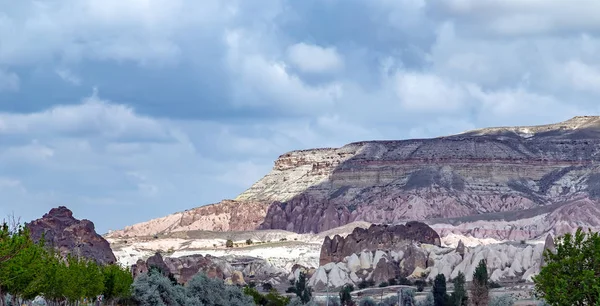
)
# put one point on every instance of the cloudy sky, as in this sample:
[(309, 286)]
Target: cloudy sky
[(126, 110)]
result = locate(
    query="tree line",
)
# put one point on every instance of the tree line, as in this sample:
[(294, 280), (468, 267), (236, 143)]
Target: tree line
[(29, 270)]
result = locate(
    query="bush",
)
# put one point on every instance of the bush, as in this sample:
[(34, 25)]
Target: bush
[(249, 242), (420, 284), (345, 297), (502, 300), (493, 284), (392, 282), (367, 301), (365, 284), (229, 243), (404, 281), (267, 287), (383, 285), (154, 288), (429, 300)]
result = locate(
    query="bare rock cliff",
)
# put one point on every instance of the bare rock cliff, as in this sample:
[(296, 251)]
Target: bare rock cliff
[(552, 172), (71, 236)]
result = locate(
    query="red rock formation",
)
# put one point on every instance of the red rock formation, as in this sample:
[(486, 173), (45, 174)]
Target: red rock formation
[(376, 237), (71, 236)]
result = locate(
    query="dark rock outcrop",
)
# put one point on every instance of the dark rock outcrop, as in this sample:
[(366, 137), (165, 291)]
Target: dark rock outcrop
[(376, 237), (232, 269), (71, 236)]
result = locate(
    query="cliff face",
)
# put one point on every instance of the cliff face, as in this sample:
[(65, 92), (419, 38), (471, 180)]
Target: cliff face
[(478, 172), (542, 169), (228, 215), (71, 236)]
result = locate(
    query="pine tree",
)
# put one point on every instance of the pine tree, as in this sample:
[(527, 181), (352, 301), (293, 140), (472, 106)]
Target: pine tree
[(480, 286), (440, 297), (459, 296)]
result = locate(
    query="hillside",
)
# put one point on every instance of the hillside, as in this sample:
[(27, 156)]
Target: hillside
[(502, 178)]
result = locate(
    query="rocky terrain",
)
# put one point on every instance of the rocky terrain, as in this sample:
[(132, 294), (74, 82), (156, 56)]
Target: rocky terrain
[(234, 270), (376, 237), (71, 236), (502, 183)]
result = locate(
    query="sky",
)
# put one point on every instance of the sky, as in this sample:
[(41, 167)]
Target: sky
[(127, 110)]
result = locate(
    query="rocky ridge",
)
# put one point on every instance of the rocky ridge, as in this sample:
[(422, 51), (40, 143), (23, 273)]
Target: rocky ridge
[(71, 236), (376, 237), (550, 171)]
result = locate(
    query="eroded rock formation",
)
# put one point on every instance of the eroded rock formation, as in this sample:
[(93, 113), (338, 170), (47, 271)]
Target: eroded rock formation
[(551, 172), (233, 269), (71, 236), (376, 237)]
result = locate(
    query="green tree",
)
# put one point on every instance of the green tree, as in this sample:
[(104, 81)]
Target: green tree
[(570, 275), (480, 286), (117, 283), (301, 289), (229, 243), (345, 295), (459, 296), (440, 296)]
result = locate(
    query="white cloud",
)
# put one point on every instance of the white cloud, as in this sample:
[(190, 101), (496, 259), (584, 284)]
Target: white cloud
[(315, 59), (430, 93), (268, 82), (68, 76), (583, 77), (516, 17), (9, 81), (92, 116)]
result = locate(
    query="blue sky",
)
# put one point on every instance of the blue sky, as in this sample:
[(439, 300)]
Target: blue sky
[(129, 110)]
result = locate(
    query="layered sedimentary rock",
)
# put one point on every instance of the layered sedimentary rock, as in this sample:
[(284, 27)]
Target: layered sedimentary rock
[(485, 171), (551, 172), (228, 215), (71, 236), (376, 237)]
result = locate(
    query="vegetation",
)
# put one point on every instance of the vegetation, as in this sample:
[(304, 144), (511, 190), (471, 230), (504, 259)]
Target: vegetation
[(440, 297), (300, 288), (502, 300), (480, 286), (273, 298), (570, 275), (229, 243), (459, 296), (28, 270), (345, 297), (367, 301), (249, 242), (365, 284), (153, 288)]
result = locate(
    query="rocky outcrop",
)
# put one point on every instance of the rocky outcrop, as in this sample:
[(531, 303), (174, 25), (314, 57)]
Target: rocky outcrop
[(234, 270), (71, 236), (228, 215), (505, 262), (376, 237), (551, 171)]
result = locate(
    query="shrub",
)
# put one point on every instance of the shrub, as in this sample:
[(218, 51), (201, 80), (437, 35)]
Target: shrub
[(345, 297), (249, 242), (392, 282), (502, 300), (404, 281), (383, 285), (420, 284), (267, 287), (367, 301), (493, 284), (229, 243)]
